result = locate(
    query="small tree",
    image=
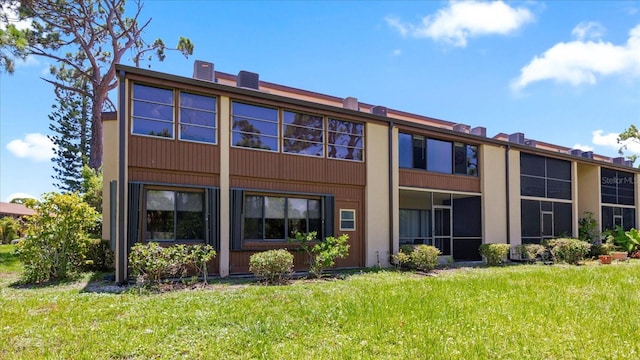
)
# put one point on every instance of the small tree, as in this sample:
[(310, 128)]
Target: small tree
[(54, 248), (323, 254)]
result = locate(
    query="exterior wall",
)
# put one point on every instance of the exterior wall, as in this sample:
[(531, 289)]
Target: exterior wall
[(446, 182), (494, 195), (588, 188), (515, 228), (377, 199), (109, 170)]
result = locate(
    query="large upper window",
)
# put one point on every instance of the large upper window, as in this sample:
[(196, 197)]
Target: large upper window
[(152, 111), (197, 118), (254, 126), (419, 152), (279, 218), (345, 140), (617, 187), (545, 177), (174, 215), (303, 134)]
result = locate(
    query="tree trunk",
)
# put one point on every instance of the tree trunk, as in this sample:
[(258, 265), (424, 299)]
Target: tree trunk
[(95, 158)]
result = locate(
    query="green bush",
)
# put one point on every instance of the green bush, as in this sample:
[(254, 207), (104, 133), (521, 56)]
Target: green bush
[(152, 262), (9, 229), (272, 266), (425, 257), (98, 255), (149, 261), (494, 254), (531, 252), (570, 251), (322, 255), (56, 244)]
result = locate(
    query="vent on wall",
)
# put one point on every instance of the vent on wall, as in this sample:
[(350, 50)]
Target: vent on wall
[(379, 110), (203, 70), (248, 79), (350, 103)]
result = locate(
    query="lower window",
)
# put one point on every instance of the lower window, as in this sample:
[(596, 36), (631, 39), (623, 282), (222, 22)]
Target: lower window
[(275, 218), (174, 215)]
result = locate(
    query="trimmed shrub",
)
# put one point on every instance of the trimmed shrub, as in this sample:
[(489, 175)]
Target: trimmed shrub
[(272, 266), (531, 252), (421, 257), (570, 251), (425, 257), (149, 261), (153, 262), (495, 254)]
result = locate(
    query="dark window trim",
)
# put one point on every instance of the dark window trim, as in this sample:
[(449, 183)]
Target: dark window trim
[(453, 157)]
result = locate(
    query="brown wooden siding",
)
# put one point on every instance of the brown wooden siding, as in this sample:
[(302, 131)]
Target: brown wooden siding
[(427, 180), (158, 153), (173, 177), (267, 165)]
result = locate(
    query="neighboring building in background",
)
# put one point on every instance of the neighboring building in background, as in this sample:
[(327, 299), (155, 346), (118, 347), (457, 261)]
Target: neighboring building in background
[(17, 211), (242, 164)]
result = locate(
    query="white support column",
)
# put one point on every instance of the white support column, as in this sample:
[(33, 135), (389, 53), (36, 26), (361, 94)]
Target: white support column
[(225, 217)]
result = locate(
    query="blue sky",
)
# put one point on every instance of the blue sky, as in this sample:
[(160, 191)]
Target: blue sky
[(561, 72)]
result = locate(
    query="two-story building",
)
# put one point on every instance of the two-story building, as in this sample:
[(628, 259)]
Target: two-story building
[(243, 164)]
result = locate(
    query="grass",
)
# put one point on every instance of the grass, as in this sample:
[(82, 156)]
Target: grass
[(517, 312)]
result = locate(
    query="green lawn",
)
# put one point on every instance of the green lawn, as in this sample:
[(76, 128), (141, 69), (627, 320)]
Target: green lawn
[(516, 312)]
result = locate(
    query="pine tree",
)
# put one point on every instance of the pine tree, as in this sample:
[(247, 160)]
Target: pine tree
[(70, 122)]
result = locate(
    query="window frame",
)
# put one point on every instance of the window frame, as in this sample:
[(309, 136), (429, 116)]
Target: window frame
[(342, 219), (329, 143), (132, 116), (277, 122), (323, 131), (175, 191), (215, 112), (286, 219), (424, 154)]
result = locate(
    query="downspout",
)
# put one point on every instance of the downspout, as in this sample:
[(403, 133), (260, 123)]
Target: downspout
[(508, 190), (391, 209), (122, 133)]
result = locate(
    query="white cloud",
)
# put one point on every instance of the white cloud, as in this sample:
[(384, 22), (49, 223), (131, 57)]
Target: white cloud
[(397, 52), (582, 62), (461, 20), (9, 15), (34, 146), (395, 23), (611, 140), (20, 196), (588, 30), (583, 147)]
